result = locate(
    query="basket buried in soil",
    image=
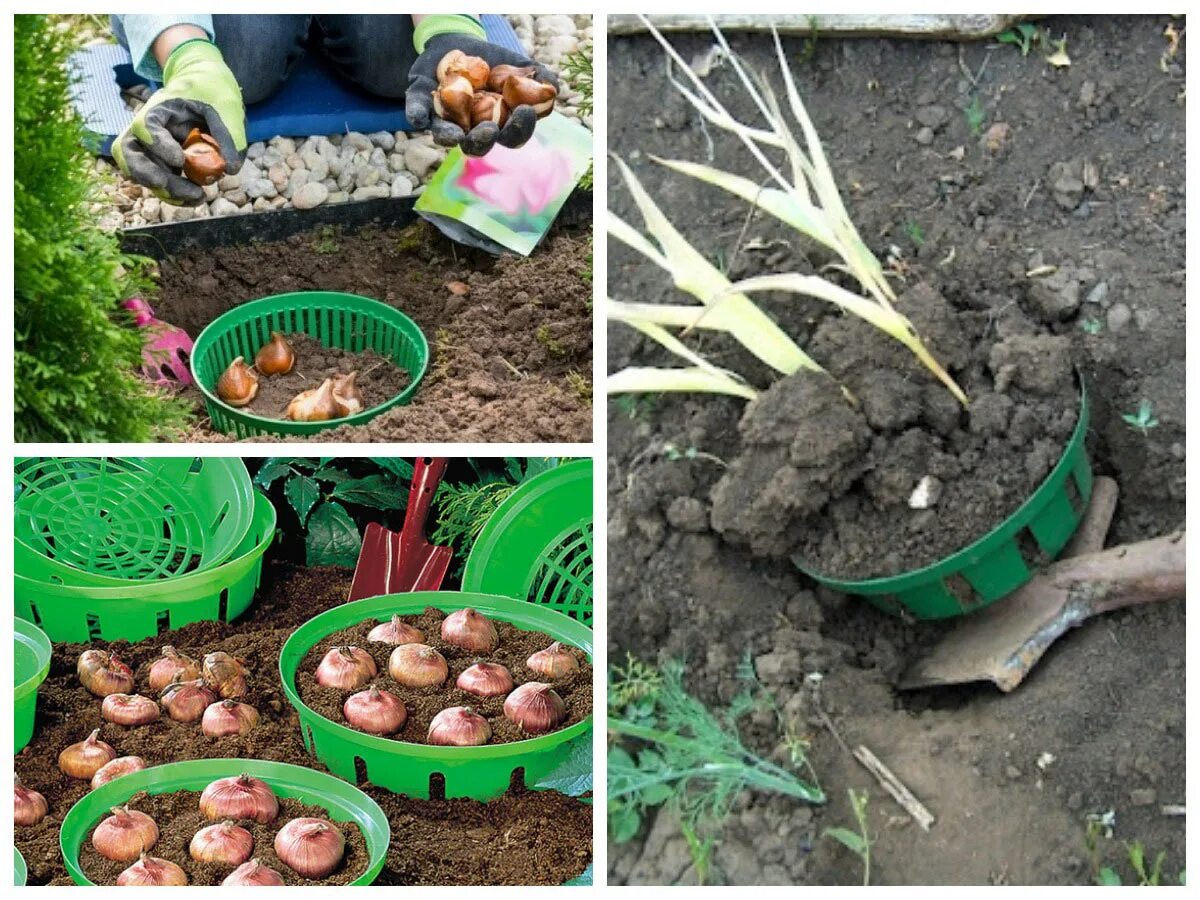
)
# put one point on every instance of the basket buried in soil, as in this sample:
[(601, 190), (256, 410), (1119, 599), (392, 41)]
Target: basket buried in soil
[(832, 484), (379, 379), (433, 841), (511, 359), (423, 704), (178, 818)]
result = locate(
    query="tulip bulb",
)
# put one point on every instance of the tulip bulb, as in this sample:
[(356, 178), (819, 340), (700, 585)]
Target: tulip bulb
[(122, 765), (125, 835), (276, 357), (520, 91), (488, 107), (313, 848), (173, 665), (452, 101), (238, 384), (459, 726), (29, 807), (150, 871), (253, 874), (103, 673), (456, 64), (468, 629), (500, 74), (485, 679), (535, 707), (417, 665), (315, 405), (553, 662), (396, 632), (346, 393), (129, 709), (202, 160), (83, 760)]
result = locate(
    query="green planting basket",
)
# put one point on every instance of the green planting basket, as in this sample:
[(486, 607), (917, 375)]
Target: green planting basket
[(537, 545), (343, 802), (481, 773), (346, 321), (142, 609), (31, 665), (993, 566), (105, 521), (20, 873)]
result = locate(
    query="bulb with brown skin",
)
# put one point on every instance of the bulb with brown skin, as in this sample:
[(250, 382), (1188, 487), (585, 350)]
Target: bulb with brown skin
[(83, 760), (125, 835), (346, 393), (30, 807), (457, 64), (202, 160), (276, 356), (122, 765), (488, 107), (173, 665), (225, 675), (501, 73), (459, 726), (103, 673), (553, 662), (520, 91), (452, 101), (129, 709), (238, 384), (535, 707), (315, 405)]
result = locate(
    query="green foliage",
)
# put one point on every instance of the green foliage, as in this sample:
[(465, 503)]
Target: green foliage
[(1021, 36), (577, 67), (670, 750), (1092, 326), (318, 491), (76, 350), (1147, 874), (1143, 420), (914, 232), (858, 842), (636, 406), (326, 241), (975, 116)]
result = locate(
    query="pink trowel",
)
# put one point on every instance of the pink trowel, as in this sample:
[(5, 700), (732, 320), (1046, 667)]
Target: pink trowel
[(166, 349)]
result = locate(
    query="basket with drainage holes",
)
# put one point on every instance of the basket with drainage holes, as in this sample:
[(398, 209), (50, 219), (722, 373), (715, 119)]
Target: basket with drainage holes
[(109, 522), (31, 665), (537, 545), (342, 802), (141, 609), (346, 321), (1003, 559), (422, 770)]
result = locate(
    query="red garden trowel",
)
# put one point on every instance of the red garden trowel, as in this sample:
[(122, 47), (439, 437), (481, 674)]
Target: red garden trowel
[(165, 348), (395, 563)]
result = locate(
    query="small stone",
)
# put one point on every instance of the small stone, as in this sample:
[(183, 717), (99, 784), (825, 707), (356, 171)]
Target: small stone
[(366, 175), (932, 116), (372, 192), (420, 159), (261, 204), (458, 288), (293, 161), (284, 145), (279, 175), (396, 162), (271, 158), (482, 386), (230, 183), (997, 136), (1056, 298), (382, 139), (337, 197), (173, 213), (400, 137), (200, 212), (152, 209), (237, 198), (559, 46), (222, 207), (779, 665), (310, 195), (1118, 316), (256, 150), (401, 186), (378, 158), (359, 141), (1143, 797), (688, 514), (330, 184), (924, 136), (548, 26), (317, 165), (345, 181), (1011, 772), (1067, 184), (300, 177), (1087, 94), (211, 192), (260, 189)]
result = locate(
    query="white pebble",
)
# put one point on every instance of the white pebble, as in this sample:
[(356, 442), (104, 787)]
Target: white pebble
[(372, 192), (401, 186), (230, 182), (359, 141), (222, 207), (420, 159), (310, 195), (151, 209), (555, 25), (317, 165), (382, 139), (211, 192), (338, 197), (284, 145), (173, 213), (256, 150), (396, 162)]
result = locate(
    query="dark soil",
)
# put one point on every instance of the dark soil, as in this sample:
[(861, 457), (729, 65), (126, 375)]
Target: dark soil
[(423, 704), (379, 379), (288, 598), (511, 360), (1107, 701), (178, 818)]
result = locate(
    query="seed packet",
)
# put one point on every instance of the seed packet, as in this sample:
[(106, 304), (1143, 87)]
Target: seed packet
[(508, 199)]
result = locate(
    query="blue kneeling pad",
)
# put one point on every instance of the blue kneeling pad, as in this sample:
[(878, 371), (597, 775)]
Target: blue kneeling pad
[(315, 99)]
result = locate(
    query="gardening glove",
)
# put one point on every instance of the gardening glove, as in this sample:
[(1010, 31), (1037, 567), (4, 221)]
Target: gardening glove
[(198, 91), (422, 82)]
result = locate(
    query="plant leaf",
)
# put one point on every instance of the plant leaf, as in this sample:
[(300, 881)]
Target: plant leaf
[(333, 538), (649, 380), (852, 840), (303, 493), (272, 468), (395, 465), (573, 776), (376, 491), (1108, 877)]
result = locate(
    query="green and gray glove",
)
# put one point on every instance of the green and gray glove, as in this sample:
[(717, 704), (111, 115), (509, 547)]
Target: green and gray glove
[(198, 91), (435, 37)]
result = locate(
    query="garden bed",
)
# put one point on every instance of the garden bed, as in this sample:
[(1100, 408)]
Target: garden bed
[(697, 523), (433, 841), (510, 339)]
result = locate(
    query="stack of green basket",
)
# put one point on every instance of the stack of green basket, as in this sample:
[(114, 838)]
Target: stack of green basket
[(118, 548)]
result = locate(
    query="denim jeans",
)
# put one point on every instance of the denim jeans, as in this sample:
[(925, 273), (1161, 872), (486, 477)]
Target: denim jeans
[(374, 52)]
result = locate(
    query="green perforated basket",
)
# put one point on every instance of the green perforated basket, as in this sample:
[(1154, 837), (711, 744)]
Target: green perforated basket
[(993, 566), (31, 665), (142, 609), (343, 802), (107, 521), (537, 545), (478, 772), (347, 321)]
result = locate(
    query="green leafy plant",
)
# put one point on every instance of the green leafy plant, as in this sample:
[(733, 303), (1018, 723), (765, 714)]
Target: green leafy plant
[(1143, 420), (76, 351), (975, 116), (667, 749), (1021, 36), (1092, 326), (574, 777), (806, 198), (858, 842), (319, 490), (636, 406), (914, 232), (1146, 873), (577, 67)]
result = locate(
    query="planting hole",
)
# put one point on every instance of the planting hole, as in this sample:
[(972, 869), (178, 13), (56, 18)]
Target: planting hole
[(221, 514), (1031, 551), (163, 621), (196, 466), (1074, 497), (961, 590), (360, 770), (93, 627), (223, 605), (437, 786), (516, 781), (37, 616)]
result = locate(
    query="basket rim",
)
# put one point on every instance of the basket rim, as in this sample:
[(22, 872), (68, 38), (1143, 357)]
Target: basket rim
[(185, 774), (1009, 526), (37, 640), (270, 303), (302, 641)]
